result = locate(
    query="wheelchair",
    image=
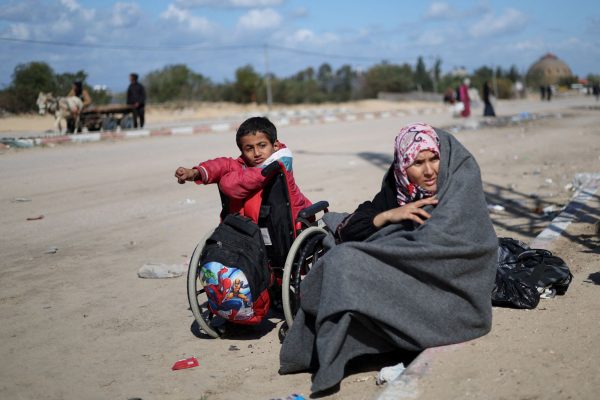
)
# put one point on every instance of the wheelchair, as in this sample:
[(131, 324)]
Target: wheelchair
[(294, 246)]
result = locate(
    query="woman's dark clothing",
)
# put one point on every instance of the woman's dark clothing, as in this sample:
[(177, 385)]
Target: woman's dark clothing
[(359, 225), (488, 110)]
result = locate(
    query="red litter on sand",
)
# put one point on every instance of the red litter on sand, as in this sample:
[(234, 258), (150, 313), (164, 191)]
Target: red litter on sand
[(186, 363)]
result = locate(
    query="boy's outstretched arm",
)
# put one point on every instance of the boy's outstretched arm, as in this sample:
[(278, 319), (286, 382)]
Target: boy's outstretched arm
[(242, 183), (186, 174)]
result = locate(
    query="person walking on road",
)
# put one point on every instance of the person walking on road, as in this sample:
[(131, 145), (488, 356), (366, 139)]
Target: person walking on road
[(464, 98), (136, 97), (488, 110)]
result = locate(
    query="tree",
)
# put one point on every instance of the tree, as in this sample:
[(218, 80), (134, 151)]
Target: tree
[(421, 76), (437, 74), (27, 81), (64, 82), (325, 78), (385, 77), (175, 82), (246, 85), (344, 83)]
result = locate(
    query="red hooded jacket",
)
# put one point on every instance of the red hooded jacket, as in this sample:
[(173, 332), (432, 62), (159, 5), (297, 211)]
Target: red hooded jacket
[(243, 185)]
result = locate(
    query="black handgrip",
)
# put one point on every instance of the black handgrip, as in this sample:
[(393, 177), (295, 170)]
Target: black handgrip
[(313, 209)]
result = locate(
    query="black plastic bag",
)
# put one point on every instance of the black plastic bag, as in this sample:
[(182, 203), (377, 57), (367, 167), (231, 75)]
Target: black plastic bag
[(524, 273)]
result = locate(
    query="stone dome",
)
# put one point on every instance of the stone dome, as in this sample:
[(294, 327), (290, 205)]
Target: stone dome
[(548, 70)]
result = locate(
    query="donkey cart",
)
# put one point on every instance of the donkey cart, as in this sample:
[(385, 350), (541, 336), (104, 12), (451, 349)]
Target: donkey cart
[(107, 117)]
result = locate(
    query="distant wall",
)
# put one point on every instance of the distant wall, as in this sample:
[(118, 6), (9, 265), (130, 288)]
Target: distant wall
[(411, 96)]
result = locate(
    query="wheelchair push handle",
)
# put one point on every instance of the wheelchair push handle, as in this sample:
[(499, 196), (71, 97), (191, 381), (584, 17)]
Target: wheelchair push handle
[(271, 169)]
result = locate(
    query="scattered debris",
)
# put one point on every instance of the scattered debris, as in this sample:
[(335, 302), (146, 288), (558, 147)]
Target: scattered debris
[(160, 271), (52, 250), (35, 218), (388, 374), (185, 363), (233, 348), (495, 208), (290, 397), (18, 143)]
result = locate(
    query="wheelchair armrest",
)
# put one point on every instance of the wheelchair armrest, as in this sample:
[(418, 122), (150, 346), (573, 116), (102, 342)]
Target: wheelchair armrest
[(312, 210)]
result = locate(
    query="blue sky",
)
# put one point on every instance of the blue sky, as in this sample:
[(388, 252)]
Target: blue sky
[(109, 39)]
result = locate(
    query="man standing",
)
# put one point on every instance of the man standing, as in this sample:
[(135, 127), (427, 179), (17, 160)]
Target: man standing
[(136, 97)]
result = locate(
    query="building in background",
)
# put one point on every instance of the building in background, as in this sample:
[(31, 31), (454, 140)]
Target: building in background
[(548, 70)]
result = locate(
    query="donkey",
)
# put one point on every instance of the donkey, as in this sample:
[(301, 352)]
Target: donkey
[(62, 107)]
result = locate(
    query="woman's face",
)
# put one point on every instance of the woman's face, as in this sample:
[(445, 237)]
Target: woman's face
[(424, 171)]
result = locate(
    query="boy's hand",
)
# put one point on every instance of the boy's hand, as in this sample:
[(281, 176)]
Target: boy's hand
[(185, 174)]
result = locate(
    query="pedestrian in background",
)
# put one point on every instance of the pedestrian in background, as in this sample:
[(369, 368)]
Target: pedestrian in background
[(78, 90), (136, 97), (488, 110), (464, 98)]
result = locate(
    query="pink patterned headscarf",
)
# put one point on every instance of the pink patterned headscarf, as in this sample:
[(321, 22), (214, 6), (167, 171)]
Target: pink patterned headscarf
[(411, 140)]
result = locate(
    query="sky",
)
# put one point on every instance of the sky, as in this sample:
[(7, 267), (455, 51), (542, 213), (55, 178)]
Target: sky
[(110, 39)]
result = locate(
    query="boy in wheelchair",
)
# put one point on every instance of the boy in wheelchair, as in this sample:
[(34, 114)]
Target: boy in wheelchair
[(241, 180), (263, 208)]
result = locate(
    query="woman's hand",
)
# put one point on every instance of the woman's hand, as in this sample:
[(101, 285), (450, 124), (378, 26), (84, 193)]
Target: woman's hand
[(186, 174), (412, 211)]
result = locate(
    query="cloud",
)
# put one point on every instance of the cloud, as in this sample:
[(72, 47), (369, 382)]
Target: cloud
[(528, 45), (71, 5), (74, 7), (259, 19), (227, 3), (431, 38), (125, 15), (25, 11), (300, 12), (440, 10), (510, 21), (308, 37), (184, 17), (18, 31)]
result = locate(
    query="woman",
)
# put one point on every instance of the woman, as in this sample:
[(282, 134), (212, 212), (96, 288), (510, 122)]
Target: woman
[(415, 268), (488, 109), (463, 91)]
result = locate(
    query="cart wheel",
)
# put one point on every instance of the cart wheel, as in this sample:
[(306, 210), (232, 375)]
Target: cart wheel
[(126, 122), (304, 252), (109, 124), (209, 323)]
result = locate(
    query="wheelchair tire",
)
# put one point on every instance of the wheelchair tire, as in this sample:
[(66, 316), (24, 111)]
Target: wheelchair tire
[(288, 288), (197, 297)]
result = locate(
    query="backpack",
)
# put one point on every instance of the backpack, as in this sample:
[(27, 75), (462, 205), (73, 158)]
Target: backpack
[(234, 271), (524, 275)]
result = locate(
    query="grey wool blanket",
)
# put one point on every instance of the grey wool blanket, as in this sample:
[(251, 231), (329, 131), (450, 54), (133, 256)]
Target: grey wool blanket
[(401, 289)]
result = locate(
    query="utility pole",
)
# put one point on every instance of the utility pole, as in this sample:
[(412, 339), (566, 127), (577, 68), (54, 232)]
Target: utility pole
[(268, 79), (494, 82)]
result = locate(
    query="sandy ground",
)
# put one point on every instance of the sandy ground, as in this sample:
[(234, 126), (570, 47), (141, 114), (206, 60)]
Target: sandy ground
[(80, 324)]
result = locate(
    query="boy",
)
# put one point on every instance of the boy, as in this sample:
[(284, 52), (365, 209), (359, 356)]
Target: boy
[(241, 179)]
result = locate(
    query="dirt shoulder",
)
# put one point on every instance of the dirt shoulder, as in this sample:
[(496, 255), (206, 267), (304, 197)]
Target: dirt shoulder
[(79, 323)]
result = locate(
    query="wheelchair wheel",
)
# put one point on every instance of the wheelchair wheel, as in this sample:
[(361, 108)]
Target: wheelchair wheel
[(209, 323), (303, 254)]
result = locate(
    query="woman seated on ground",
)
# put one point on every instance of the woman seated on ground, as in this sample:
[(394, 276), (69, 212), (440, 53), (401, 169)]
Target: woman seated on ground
[(415, 268)]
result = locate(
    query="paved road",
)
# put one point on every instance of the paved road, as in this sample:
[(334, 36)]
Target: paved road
[(79, 323)]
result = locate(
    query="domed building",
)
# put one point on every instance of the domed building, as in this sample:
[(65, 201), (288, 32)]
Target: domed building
[(548, 70)]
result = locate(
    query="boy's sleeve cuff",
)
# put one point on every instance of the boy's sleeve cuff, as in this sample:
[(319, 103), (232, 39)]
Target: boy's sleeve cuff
[(202, 175)]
